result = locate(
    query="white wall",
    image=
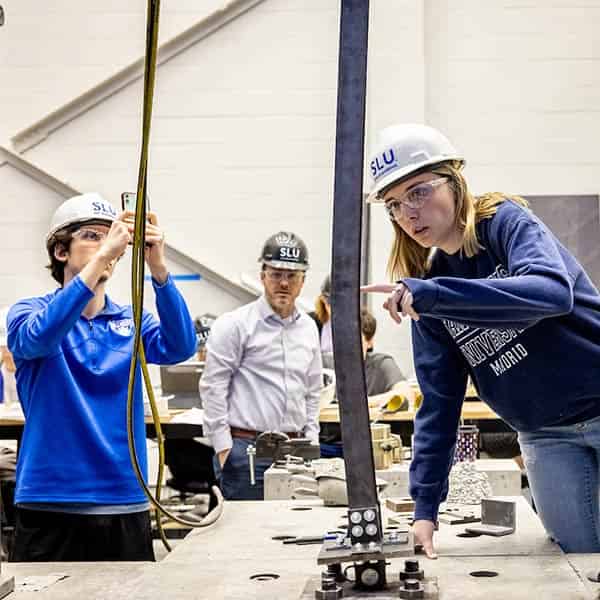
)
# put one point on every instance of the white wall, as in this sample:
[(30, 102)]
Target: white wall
[(53, 51), (241, 142), (27, 207), (396, 92), (517, 87), (243, 130), (243, 134)]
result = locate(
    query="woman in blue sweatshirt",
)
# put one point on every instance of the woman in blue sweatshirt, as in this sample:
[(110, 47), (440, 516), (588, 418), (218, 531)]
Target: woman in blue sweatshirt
[(494, 295), (77, 496)]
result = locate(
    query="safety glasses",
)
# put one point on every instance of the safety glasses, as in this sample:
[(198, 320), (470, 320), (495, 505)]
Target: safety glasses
[(90, 235), (289, 276), (414, 198)]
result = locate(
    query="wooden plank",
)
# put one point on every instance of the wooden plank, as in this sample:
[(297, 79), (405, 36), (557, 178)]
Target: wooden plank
[(471, 410)]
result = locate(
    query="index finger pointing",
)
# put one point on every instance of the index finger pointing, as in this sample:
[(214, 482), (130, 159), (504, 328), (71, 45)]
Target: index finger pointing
[(381, 288)]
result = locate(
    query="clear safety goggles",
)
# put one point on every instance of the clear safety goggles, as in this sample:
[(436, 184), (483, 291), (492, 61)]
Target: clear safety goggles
[(289, 276), (414, 198), (85, 234)]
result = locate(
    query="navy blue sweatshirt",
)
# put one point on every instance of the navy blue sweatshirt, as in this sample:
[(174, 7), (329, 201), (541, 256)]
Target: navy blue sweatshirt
[(522, 318)]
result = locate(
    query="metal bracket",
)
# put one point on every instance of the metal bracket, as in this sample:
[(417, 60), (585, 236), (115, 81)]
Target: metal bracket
[(275, 446)]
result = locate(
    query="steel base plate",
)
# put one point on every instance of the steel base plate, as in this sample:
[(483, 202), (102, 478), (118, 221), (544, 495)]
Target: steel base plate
[(331, 552)]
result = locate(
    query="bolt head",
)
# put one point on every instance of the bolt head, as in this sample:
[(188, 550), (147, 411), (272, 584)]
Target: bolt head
[(369, 515), (355, 517), (357, 531)]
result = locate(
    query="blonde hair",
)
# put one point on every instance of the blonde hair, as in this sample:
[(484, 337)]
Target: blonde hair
[(409, 259), (321, 309)]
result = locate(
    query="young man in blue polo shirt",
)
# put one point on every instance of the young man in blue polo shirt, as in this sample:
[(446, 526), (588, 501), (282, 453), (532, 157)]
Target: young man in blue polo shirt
[(77, 496)]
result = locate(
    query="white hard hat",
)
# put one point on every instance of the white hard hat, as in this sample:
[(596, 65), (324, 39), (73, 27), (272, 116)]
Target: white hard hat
[(3, 325), (404, 149), (81, 209)]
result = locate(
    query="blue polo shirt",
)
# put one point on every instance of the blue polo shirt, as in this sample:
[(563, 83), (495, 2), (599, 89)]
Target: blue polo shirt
[(72, 376)]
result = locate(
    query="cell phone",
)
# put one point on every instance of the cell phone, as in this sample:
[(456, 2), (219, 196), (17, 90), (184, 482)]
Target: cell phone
[(129, 199)]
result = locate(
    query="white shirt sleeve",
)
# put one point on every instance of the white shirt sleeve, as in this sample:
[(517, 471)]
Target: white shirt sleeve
[(224, 352), (313, 395)]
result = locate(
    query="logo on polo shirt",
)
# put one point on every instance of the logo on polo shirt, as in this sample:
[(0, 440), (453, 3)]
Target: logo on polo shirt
[(122, 327)]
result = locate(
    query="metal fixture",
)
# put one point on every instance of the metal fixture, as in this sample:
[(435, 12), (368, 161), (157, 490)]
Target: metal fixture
[(251, 453), (276, 446), (498, 517), (370, 575)]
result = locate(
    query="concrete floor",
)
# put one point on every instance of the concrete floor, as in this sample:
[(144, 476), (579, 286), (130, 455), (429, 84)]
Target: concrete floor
[(219, 562)]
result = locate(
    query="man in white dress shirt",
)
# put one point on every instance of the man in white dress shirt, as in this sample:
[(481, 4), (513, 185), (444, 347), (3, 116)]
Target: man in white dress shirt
[(263, 369)]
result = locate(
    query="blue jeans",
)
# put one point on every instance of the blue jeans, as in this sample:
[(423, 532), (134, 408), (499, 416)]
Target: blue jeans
[(562, 467), (334, 450), (234, 477)]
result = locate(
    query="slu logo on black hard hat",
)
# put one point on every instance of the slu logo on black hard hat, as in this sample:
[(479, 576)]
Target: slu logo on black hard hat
[(288, 246), (287, 253)]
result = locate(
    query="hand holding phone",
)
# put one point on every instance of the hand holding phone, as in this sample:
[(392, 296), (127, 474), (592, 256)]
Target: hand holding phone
[(128, 204), (129, 200)]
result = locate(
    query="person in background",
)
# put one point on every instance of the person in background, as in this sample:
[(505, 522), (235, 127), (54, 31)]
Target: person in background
[(263, 370), (322, 316), (384, 380), (202, 325), (9, 382), (8, 454), (383, 375)]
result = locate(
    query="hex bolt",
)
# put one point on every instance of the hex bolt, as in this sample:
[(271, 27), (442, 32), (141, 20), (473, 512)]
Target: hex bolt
[(412, 590), (411, 571), (329, 590)]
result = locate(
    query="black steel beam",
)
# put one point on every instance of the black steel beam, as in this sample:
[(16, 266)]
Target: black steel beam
[(346, 254)]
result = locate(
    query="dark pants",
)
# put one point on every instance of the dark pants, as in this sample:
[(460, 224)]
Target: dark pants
[(334, 450), (235, 474), (45, 536)]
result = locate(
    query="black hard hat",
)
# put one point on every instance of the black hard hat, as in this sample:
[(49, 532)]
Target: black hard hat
[(285, 250), (326, 287), (202, 326)]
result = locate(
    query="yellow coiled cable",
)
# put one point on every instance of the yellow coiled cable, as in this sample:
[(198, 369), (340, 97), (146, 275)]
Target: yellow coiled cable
[(137, 292)]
